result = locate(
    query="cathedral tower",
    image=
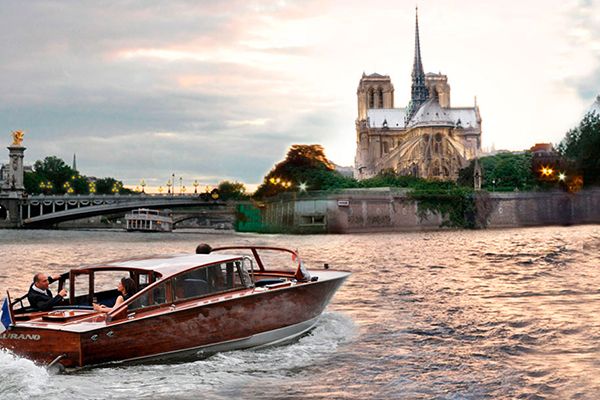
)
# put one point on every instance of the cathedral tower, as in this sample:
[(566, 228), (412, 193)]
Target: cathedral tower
[(419, 92), (374, 91)]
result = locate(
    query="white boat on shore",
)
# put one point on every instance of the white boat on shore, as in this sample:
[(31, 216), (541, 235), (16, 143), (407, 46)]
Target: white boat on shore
[(147, 220)]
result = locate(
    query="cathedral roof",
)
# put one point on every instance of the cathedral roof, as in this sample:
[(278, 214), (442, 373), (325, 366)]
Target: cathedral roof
[(432, 114), (393, 117), (465, 116)]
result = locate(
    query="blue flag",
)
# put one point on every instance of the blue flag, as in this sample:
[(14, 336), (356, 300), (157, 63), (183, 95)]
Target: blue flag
[(4, 316)]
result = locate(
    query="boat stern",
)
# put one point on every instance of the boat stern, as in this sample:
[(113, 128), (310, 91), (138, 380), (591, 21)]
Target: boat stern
[(42, 345)]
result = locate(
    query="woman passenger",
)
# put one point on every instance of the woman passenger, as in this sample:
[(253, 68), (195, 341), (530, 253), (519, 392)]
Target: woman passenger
[(127, 289)]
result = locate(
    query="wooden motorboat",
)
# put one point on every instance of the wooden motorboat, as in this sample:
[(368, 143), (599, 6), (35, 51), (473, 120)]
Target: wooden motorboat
[(186, 305)]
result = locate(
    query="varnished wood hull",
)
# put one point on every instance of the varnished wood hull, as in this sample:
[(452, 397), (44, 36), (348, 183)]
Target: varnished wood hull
[(239, 322)]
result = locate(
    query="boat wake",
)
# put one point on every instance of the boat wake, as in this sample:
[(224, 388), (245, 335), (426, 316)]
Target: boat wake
[(20, 378), (223, 375)]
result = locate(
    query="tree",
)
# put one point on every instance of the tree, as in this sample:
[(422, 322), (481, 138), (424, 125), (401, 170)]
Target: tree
[(502, 172), (232, 190), (304, 165), (53, 176), (110, 186), (54, 173), (581, 146)]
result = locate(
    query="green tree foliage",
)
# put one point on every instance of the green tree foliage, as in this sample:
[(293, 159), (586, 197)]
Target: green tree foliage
[(232, 190), (455, 204), (54, 170), (389, 178), (53, 176), (110, 186), (502, 172), (304, 164), (581, 146)]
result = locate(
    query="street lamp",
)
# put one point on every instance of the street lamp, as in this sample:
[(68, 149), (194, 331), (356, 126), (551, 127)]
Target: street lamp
[(169, 184), (196, 184), (493, 185), (160, 189), (180, 184), (143, 185), (183, 189)]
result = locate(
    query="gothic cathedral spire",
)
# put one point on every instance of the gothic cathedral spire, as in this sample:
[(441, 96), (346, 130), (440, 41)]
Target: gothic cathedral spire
[(419, 92)]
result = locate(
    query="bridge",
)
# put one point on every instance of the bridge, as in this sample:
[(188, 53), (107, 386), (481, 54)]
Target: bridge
[(44, 211)]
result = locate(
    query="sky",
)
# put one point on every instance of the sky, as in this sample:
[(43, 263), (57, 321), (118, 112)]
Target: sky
[(214, 90)]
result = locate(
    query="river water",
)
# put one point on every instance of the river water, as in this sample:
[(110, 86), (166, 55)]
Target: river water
[(448, 315)]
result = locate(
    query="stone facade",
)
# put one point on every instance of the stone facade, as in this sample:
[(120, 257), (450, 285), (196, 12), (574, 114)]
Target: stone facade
[(392, 210), (428, 138)]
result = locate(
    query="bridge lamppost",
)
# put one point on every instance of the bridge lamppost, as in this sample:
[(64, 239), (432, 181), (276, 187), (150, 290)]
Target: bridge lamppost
[(68, 188), (196, 184), (183, 189), (92, 186), (46, 187), (180, 184), (143, 185), (160, 189), (169, 184)]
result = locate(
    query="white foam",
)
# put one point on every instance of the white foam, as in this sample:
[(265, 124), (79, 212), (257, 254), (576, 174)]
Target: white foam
[(20, 378)]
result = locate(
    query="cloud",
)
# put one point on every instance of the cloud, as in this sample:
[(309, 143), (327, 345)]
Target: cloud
[(205, 89), (584, 34)]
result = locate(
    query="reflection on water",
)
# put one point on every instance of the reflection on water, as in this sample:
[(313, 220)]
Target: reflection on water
[(498, 314)]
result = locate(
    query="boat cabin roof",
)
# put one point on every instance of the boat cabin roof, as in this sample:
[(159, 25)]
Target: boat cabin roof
[(164, 265)]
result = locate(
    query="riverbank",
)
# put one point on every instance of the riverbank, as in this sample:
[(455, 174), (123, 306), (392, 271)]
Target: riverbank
[(397, 210)]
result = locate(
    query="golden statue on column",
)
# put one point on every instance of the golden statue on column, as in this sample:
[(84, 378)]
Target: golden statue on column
[(17, 137)]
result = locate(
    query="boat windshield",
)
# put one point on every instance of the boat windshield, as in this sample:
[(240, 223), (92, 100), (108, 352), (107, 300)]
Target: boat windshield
[(270, 258), (100, 285)]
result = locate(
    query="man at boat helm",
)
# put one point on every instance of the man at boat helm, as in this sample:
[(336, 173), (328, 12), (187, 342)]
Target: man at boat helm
[(40, 297)]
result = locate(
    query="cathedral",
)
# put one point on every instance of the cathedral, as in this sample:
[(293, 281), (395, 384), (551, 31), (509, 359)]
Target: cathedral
[(427, 139)]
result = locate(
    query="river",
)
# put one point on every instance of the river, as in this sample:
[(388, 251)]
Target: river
[(447, 315)]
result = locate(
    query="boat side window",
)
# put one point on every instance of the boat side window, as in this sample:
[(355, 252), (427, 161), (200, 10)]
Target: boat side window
[(191, 284), (154, 297), (212, 279), (226, 276)]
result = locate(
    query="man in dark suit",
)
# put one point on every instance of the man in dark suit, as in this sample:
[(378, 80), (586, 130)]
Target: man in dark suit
[(40, 297)]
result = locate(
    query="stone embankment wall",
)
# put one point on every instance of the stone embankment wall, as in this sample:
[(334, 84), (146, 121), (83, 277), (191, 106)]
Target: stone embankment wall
[(389, 209)]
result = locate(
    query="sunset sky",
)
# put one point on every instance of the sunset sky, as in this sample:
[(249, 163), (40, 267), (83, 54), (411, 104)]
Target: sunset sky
[(214, 90)]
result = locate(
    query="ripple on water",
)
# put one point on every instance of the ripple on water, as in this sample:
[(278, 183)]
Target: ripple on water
[(449, 315)]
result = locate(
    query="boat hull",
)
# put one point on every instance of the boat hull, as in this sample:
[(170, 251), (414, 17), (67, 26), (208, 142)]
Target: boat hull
[(258, 319)]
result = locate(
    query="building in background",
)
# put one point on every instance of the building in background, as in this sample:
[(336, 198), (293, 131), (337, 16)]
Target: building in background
[(427, 139)]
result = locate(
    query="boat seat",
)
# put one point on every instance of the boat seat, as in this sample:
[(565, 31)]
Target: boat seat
[(271, 281), (194, 287)]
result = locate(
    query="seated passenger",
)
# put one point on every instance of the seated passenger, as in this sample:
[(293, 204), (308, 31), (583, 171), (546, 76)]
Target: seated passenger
[(40, 297), (127, 288)]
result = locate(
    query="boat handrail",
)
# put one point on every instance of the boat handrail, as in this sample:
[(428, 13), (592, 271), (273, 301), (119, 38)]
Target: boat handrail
[(301, 273)]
